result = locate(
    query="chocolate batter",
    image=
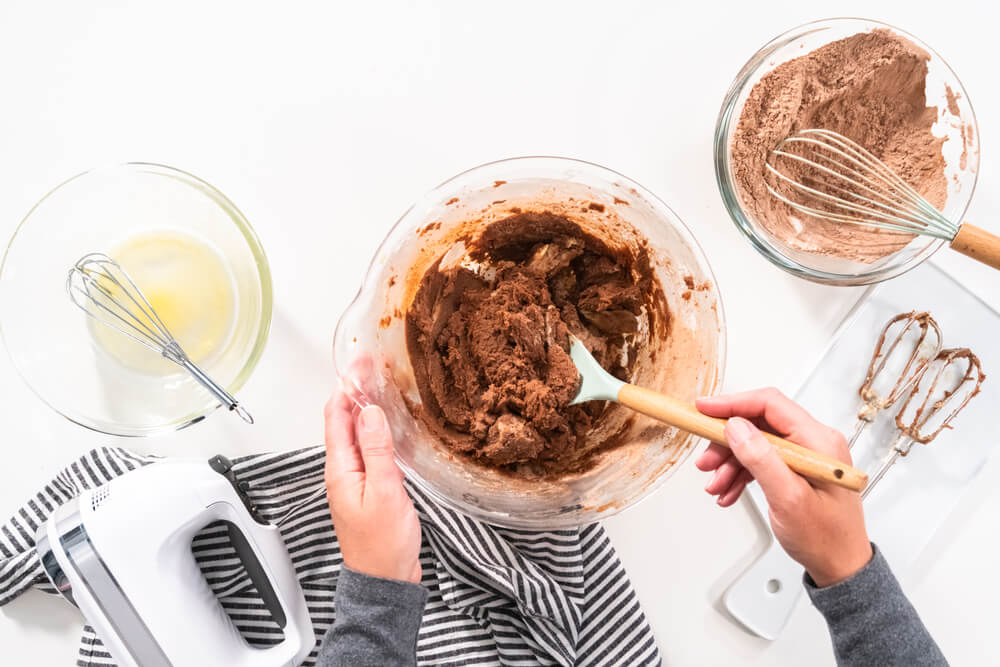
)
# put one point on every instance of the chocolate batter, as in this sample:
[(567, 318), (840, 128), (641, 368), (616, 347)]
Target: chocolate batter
[(488, 339), (869, 87)]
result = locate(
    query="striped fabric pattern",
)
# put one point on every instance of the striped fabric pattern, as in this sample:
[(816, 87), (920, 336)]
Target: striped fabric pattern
[(498, 596)]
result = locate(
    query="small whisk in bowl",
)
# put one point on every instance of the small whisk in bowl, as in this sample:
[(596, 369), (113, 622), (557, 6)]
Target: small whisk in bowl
[(102, 289), (844, 183)]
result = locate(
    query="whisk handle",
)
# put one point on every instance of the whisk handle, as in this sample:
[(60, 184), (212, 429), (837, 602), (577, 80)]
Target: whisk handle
[(979, 244), (216, 390), (805, 461)]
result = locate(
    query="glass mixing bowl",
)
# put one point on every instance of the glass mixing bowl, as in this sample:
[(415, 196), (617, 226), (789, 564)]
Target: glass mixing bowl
[(50, 340), (961, 174), (373, 328)]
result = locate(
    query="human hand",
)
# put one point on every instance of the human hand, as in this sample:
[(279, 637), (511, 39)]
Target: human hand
[(821, 526), (375, 520)]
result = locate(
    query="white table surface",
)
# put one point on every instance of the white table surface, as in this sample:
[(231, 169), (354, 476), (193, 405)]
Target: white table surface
[(324, 121)]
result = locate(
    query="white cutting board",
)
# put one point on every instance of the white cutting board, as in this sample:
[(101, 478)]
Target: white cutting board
[(919, 492)]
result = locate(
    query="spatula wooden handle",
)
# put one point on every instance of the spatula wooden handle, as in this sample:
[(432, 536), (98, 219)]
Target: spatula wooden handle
[(806, 462), (978, 244)]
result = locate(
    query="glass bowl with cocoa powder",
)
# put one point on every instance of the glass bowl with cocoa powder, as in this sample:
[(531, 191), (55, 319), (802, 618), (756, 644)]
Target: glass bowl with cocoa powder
[(460, 332), (875, 84)]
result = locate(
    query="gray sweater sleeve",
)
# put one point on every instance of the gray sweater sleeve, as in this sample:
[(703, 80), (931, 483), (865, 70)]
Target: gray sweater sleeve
[(377, 622), (871, 622)]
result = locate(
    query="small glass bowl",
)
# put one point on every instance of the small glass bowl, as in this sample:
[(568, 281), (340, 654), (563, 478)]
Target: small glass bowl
[(49, 339), (373, 329), (961, 178)]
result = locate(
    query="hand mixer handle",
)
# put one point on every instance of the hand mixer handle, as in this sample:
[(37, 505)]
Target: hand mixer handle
[(257, 573), (263, 554), (262, 551), (191, 495)]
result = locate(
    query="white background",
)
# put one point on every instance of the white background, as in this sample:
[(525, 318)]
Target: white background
[(324, 121)]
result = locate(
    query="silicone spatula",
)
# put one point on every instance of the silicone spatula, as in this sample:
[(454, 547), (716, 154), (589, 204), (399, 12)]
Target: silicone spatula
[(597, 384)]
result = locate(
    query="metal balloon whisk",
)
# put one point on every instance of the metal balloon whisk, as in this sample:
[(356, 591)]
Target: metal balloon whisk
[(100, 287), (827, 176)]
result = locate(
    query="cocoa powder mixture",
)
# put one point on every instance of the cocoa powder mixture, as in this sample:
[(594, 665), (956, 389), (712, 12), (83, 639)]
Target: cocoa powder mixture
[(488, 340), (869, 87)]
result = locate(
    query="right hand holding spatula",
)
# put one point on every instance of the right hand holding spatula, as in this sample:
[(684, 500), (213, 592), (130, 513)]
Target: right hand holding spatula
[(820, 525)]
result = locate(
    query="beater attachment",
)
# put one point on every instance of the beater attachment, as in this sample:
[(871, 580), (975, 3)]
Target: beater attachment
[(950, 381), (909, 339), (914, 335)]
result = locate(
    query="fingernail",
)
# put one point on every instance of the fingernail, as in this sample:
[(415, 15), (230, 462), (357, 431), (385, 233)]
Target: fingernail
[(709, 485), (704, 400), (371, 419), (737, 431)]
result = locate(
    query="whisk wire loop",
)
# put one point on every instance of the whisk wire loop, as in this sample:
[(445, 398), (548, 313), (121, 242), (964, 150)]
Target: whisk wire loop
[(900, 192), (888, 203), (846, 183), (96, 274)]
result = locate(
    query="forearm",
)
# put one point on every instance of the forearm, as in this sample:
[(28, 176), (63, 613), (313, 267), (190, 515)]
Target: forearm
[(377, 622), (871, 622)]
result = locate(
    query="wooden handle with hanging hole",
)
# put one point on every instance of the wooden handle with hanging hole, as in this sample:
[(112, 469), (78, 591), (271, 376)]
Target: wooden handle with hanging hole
[(979, 244), (806, 462)]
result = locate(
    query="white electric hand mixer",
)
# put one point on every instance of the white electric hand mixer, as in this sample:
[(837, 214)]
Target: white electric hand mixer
[(121, 552)]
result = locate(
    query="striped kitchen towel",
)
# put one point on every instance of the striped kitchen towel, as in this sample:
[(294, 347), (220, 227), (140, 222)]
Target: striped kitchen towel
[(498, 596)]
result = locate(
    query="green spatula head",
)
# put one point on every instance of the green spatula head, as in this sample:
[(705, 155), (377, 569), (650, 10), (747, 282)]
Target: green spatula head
[(596, 384)]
